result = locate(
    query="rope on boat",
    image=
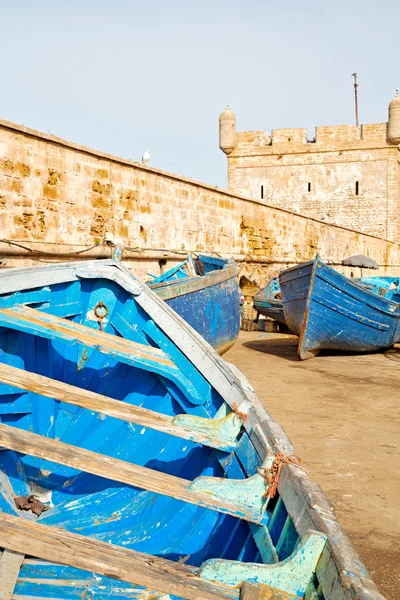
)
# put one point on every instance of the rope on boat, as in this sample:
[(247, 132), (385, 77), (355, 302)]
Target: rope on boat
[(272, 474), (238, 413)]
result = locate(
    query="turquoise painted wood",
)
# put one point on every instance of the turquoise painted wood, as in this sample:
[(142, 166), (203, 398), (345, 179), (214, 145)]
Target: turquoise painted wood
[(91, 332), (330, 311), (205, 293), (292, 575), (383, 286)]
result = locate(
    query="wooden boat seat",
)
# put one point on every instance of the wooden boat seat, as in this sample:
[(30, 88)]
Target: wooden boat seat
[(155, 573), (144, 478), (215, 433), (57, 545), (30, 320)]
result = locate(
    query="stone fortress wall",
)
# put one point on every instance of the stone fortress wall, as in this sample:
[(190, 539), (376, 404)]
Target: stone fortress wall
[(57, 198), (345, 175)]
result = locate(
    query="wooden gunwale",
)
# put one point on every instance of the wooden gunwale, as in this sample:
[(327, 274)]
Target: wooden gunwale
[(181, 287), (370, 297)]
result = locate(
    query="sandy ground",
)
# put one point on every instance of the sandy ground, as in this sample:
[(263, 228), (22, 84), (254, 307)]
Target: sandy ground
[(342, 414)]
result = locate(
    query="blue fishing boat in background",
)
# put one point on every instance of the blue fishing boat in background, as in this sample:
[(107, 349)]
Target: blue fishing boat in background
[(136, 463), (268, 301), (389, 287), (330, 311), (205, 292)]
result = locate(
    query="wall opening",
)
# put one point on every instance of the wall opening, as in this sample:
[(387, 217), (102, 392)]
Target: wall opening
[(162, 264), (262, 192), (309, 186), (357, 188)]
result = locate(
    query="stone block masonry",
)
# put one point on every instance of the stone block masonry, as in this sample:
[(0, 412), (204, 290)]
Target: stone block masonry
[(346, 175), (56, 196)]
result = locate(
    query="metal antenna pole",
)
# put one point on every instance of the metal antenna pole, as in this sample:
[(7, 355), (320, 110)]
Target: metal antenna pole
[(356, 95)]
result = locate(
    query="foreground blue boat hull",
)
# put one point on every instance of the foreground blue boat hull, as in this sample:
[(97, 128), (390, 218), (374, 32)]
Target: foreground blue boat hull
[(143, 456), (328, 311), (268, 301), (210, 303)]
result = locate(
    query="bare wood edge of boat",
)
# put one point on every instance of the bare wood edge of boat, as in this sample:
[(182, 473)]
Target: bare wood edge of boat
[(310, 508), (307, 504), (181, 287)]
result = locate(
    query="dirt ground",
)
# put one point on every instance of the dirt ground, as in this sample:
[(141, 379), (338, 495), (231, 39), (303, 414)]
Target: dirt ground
[(342, 414)]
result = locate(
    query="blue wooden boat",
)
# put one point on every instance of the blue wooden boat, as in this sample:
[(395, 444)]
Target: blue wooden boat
[(205, 293), (136, 463), (268, 301), (330, 311), (389, 287)]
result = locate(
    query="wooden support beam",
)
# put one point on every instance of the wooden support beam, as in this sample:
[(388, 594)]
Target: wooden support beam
[(44, 386), (121, 471), (57, 545), (10, 564), (30, 320)]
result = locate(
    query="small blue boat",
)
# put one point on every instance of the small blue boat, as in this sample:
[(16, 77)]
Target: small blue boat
[(330, 311), (136, 463), (268, 301), (205, 293), (389, 287)]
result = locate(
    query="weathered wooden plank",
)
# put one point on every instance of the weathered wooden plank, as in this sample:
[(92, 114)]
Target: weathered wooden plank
[(30, 320), (60, 546), (181, 288), (44, 386), (10, 564), (120, 471), (260, 591)]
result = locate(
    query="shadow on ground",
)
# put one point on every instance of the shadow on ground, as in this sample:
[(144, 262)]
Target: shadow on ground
[(287, 348), (284, 348)]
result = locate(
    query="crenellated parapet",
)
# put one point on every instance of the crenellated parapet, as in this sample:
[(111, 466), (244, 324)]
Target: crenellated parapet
[(236, 143), (289, 136), (347, 175), (298, 139)]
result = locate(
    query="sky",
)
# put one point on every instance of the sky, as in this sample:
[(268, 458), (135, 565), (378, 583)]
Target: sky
[(124, 75)]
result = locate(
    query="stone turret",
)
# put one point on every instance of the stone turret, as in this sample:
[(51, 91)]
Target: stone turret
[(394, 120), (227, 131)]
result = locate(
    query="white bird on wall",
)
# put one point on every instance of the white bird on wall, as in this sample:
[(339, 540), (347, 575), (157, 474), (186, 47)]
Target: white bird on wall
[(146, 157)]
